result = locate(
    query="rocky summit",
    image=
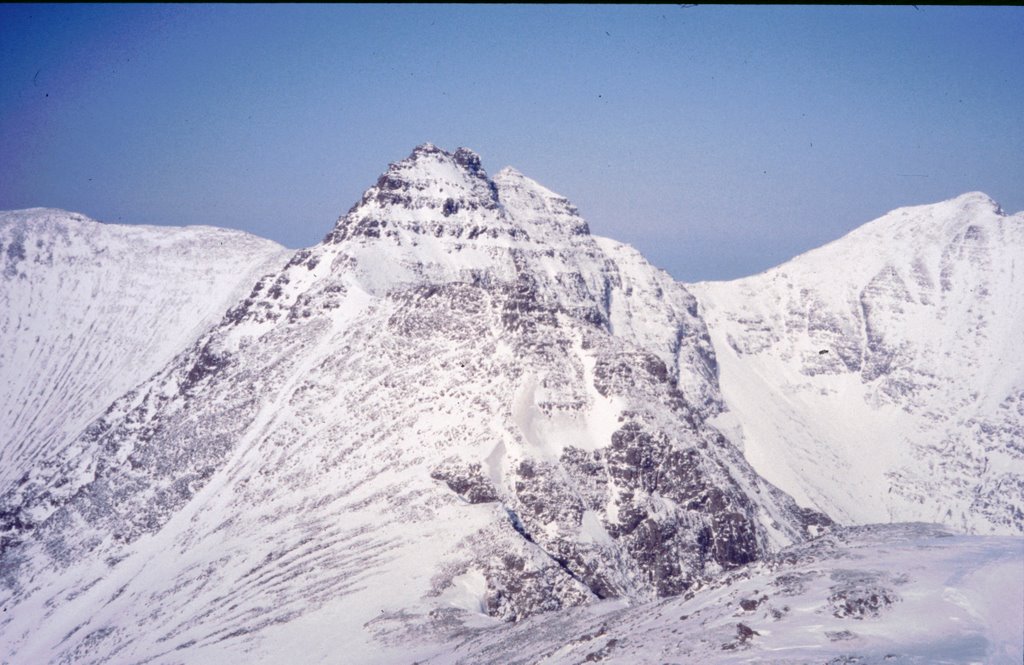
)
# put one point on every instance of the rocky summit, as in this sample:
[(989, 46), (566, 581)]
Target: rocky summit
[(459, 411)]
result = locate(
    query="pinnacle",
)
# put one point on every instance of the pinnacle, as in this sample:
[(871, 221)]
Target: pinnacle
[(468, 159), (465, 159), (427, 148)]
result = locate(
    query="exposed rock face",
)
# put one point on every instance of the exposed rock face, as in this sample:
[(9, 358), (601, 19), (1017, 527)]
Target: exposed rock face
[(459, 388), (889, 361)]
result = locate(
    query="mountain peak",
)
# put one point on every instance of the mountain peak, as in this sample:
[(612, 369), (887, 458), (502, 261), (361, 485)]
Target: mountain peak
[(532, 203), (904, 326), (426, 148), (445, 193), (963, 208), (977, 201), (429, 157), (980, 197), (429, 188)]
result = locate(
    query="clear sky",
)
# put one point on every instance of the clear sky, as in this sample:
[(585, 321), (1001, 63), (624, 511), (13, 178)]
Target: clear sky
[(720, 141)]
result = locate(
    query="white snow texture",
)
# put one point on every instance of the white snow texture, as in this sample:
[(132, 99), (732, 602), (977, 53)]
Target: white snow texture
[(461, 429)]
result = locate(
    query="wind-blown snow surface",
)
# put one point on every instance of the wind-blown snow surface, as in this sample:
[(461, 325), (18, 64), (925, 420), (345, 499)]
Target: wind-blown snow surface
[(89, 310), (880, 378), (893, 594)]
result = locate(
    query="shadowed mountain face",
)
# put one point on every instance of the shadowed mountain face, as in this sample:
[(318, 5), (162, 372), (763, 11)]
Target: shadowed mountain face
[(460, 409)]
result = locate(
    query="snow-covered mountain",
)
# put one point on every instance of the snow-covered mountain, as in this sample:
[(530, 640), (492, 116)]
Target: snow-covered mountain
[(460, 399), (89, 310), (457, 412), (880, 378)]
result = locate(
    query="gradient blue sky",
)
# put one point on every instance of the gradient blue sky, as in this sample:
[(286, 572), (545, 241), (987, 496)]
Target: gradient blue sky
[(718, 140)]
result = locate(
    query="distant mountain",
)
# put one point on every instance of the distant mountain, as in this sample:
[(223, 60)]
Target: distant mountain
[(459, 411), (881, 377), (89, 310)]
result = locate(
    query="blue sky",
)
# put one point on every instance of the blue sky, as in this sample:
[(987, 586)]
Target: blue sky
[(718, 140)]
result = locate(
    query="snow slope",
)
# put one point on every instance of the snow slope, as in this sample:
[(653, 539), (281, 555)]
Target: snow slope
[(880, 377), (89, 310), (907, 593)]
